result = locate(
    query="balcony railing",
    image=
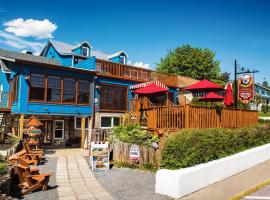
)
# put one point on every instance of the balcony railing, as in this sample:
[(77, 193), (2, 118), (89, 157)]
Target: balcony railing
[(4, 100), (117, 70)]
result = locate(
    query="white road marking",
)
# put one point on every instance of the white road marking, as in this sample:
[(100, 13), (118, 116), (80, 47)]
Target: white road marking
[(257, 197)]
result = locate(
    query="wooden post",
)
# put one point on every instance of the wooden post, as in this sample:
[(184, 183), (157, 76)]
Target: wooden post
[(187, 107), (83, 132), (21, 120)]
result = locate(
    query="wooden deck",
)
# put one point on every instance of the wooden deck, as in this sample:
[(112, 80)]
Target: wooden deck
[(127, 72), (175, 117)]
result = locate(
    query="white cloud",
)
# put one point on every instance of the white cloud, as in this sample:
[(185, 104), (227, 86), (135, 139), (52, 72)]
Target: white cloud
[(19, 43), (39, 29), (129, 62), (2, 10), (143, 65)]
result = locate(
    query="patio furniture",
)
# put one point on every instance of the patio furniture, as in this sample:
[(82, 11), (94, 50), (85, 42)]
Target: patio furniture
[(38, 152), (29, 181)]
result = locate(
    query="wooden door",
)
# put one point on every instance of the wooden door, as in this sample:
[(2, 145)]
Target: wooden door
[(47, 133)]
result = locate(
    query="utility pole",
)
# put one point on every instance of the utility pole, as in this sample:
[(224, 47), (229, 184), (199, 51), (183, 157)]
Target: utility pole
[(235, 84)]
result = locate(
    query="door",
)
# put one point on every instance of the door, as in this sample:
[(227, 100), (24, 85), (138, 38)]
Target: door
[(47, 133)]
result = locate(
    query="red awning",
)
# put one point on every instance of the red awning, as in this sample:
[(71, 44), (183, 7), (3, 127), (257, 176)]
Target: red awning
[(150, 89), (142, 85), (211, 96), (204, 85)]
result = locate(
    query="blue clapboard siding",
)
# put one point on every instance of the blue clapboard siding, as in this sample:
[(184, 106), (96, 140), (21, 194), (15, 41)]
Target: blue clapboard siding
[(64, 60), (4, 81), (25, 107), (88, 64)]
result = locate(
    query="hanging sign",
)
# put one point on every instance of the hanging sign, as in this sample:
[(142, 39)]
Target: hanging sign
[(245, 88), (134, 153), (99, 159)]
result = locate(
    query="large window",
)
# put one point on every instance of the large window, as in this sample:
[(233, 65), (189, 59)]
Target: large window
[(83, 92), (69, 93), (54, 89), (78, 122), (14, 88), (59, 129), (113, 98), (109, 121), (37, 87)]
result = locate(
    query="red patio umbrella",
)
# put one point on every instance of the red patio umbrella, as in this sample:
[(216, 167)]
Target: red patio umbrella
[(228, 101), (150, 89), (204, 85), (212, 97)]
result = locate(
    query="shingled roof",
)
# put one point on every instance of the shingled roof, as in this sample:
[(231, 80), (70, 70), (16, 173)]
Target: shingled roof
[(5, 54)]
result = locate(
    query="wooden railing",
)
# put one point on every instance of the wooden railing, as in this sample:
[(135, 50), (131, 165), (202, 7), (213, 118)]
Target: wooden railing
[(180, 117), (117, 70), (141, 103)]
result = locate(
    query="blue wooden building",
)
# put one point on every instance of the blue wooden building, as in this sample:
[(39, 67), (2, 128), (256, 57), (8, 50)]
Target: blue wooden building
[(71, 90)]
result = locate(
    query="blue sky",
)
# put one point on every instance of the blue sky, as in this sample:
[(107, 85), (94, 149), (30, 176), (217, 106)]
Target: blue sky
[(146, 30)]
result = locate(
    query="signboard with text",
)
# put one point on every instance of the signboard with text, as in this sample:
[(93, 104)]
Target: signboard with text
[(245, 88)]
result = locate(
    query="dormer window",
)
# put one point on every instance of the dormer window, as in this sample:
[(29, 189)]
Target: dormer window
[(122, 59), (85, 51)]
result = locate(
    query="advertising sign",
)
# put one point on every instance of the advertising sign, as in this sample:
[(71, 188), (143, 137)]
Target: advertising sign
[(134, 153), (99, 158), (245, 88)]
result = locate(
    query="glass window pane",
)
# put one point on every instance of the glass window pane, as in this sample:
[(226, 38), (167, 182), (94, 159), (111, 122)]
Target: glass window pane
[(78, 122), (69, 90), (54, 89), (58, 125), (37, 87), (58, 133), (116, 121), (113, 98), (106, 121), (83, 91)]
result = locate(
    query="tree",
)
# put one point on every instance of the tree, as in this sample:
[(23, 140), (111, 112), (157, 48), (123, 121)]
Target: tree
[(193, 62)]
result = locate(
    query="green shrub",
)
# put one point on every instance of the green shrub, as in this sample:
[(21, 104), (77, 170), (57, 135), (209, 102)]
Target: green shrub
[(265, 108), (3, 168), (194, 146), (134, 134)]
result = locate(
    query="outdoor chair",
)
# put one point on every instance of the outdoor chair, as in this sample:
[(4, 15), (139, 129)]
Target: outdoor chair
[(38, 152), (29, 181), (14, 159), (34, 158)]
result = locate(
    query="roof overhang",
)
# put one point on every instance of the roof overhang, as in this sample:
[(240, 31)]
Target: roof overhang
[(3, 66)]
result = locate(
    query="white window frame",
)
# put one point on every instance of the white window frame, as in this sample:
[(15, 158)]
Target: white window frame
[(86, 122), (123, 58), (87, 50), (112, 120), (63, 129)]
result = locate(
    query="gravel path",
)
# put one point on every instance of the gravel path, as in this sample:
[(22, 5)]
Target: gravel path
[(51, 192), (129, 184)]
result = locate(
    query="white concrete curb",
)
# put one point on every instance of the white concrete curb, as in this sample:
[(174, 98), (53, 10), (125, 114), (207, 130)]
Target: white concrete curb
[(178, 183)]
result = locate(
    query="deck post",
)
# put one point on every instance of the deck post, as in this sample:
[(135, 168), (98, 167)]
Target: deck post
[(21, 120), (83, 133), (187, 107)]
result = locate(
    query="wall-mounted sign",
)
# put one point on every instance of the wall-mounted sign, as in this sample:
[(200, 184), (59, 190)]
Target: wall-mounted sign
[(245, 88), (134, 153), (99, 157)]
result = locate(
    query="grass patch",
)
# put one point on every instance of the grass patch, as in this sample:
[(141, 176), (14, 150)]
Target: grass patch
[(145, 167), (262, 114)]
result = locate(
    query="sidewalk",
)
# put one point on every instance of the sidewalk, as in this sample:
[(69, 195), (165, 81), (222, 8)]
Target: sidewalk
[(74, 178), (229, 187)]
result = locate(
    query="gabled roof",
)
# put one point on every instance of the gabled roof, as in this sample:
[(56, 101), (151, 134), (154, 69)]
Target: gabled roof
[(7, 55), (117, 54), (3, 66), (66, 49), (262, 86), (81, 43)]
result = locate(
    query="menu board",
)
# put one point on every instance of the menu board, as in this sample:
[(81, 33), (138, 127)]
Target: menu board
[(99, 157)]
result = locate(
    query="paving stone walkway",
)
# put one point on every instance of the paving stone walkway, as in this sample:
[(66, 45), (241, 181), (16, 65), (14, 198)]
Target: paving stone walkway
[(75, 180)]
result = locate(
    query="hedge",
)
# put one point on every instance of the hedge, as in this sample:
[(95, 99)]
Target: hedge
[(194, 146)]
